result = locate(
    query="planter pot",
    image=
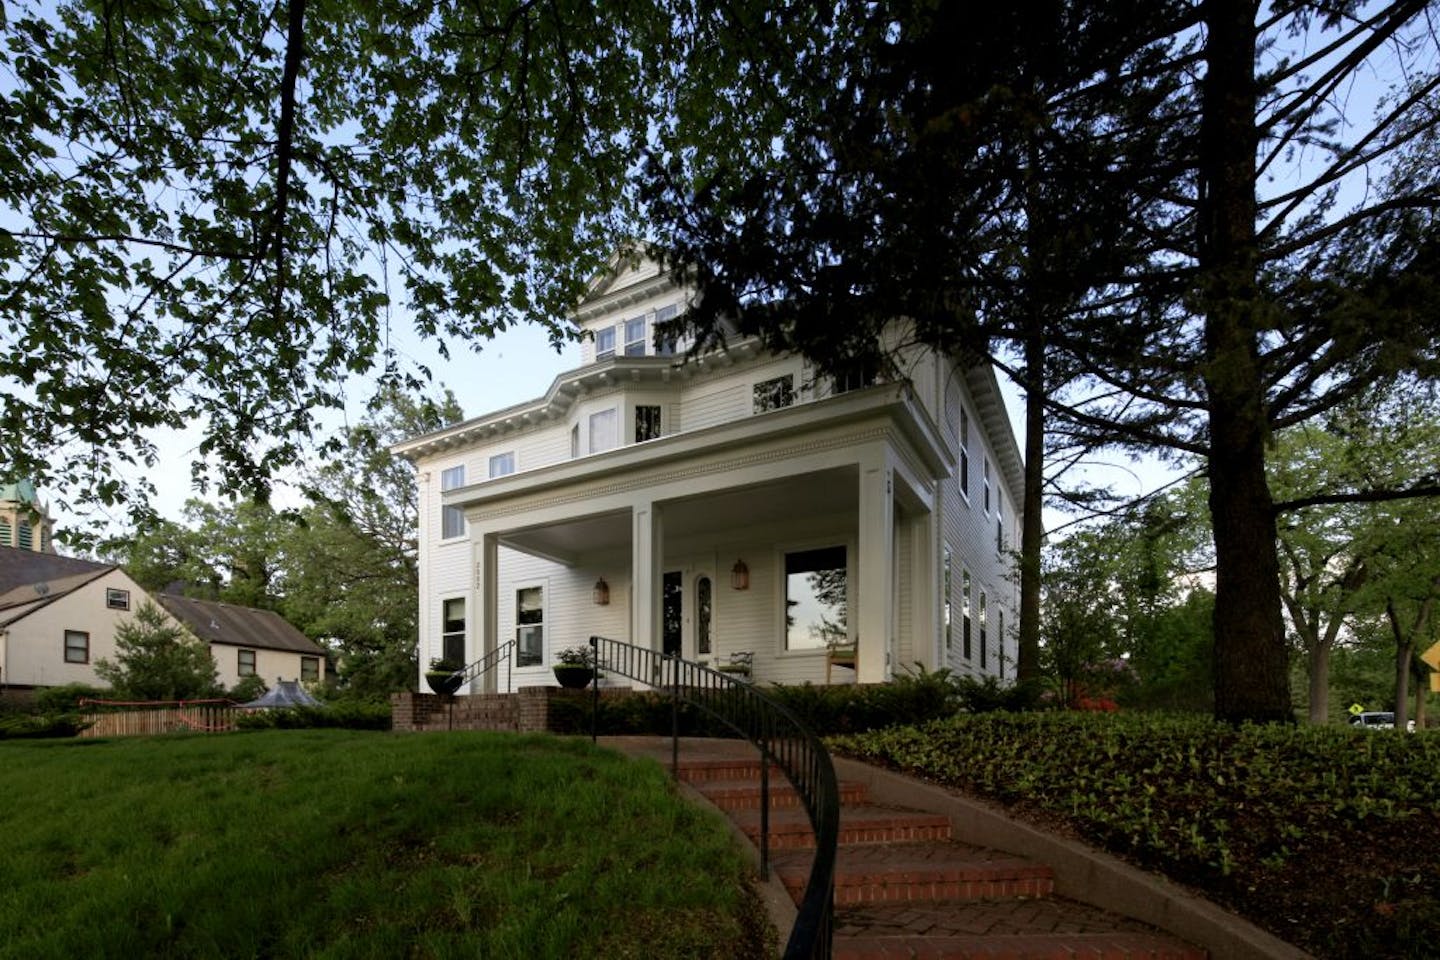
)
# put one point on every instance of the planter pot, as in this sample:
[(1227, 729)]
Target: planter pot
[(573, 676), (445, 683)]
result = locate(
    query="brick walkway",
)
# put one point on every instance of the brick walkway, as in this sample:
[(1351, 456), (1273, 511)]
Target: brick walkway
[(903, 887)]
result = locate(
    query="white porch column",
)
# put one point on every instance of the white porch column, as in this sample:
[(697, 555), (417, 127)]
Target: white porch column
[(874, 594), (487, 612), (646, 557)]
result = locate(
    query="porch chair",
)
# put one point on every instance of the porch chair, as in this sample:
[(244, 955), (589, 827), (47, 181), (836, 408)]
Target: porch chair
[(741, 664), (840, 653)]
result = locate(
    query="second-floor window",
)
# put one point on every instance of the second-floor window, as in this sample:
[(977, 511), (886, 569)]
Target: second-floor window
[(310, 669), (774, 393), (602, 431), (635, 337), (452, 519), (666, 347), (985, 483), (502, 464), (964, 454), (605, 343), (245, 663), (647, 423)]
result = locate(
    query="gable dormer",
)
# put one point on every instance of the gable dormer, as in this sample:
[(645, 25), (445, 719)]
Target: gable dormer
[(623, 306)]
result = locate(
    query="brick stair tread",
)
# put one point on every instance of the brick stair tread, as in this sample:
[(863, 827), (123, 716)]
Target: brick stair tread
[(927, 859), (1083, 946), (851, 792), (700, 771), (797, 820), (1038, 924)]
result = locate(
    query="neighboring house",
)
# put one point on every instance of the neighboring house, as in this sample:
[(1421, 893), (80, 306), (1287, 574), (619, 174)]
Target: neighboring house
[(59, 615), (722, 503), (246, 642)]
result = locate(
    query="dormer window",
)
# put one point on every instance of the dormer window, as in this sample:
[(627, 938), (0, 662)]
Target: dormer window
[(635, 337), (605, 344)]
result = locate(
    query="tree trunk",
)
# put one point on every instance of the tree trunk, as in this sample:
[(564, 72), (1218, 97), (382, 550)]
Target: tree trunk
[(1319, 683), (1032, 531), (1420, 697), (1251, 662)]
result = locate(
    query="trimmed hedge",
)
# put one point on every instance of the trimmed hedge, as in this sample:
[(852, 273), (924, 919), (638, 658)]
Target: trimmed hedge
[(344, 714), (1326, 835)]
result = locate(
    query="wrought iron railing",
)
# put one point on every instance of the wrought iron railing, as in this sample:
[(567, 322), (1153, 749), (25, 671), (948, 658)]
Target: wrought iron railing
[(505, 653), (782, 740)]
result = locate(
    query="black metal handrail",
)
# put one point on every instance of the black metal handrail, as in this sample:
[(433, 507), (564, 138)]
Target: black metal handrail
[(782, 740), (503, 653)]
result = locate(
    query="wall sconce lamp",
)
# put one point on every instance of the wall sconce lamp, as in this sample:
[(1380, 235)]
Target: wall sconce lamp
[(601, 593), (740, 576)]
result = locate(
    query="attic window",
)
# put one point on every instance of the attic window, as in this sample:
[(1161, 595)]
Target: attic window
[(117, 599), (605, 344)]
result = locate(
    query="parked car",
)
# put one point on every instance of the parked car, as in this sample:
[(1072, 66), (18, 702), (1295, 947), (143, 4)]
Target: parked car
[(1374, 720)]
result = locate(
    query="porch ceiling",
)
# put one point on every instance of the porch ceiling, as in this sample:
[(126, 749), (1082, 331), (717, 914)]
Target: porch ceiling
[(812, 494)]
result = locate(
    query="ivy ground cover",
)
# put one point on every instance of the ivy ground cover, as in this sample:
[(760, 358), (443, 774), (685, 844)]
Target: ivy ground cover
[(1328, 837), (357, 844)]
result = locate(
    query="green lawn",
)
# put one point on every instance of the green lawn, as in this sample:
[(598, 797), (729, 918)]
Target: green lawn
[(330, 843)]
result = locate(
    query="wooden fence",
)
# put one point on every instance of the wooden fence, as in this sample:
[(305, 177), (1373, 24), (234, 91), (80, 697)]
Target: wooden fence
[(188, 719)]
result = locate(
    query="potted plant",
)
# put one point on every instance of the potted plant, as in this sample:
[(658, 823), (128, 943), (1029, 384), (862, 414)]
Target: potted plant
[(575, 667), (445, 676)]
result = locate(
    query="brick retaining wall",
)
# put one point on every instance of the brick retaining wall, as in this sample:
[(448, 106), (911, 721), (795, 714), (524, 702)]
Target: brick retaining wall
[(525, 711)]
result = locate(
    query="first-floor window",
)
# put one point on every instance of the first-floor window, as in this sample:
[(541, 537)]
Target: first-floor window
[(983, 631), (602, 431), (702, 616), (452, 630), (310, 669), (815, 598), (77, 646), (529, 626), (245, 663), (965, 613), (947, 598), (1000, 638)]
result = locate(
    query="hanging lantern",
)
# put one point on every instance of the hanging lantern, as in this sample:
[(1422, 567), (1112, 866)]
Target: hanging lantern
[(601, 593), (740, 576)]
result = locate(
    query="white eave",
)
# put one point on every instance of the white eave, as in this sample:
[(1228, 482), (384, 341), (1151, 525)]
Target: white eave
[(895, 400), (990, 405)]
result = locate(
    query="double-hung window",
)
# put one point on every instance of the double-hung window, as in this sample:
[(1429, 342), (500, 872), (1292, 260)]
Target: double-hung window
[(529, 626), (985, 483), (984, 624), (603, 434), (635, 337), (310, 669), (666, 346), (117, 599), (502, 464), (774, 393), (77, 646), (647, 422), (245, 663), (452, 629), (964, 454), (605, 344), (947, 588), (452, 519), (965, 613)]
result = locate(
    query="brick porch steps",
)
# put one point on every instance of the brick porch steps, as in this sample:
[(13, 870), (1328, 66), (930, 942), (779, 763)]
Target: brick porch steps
[(1079, 946), (790, 829), (905, 890), (731, 795), (911, 872)]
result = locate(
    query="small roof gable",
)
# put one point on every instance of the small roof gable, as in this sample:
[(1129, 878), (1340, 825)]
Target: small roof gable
[(24, 567), (236, 626)]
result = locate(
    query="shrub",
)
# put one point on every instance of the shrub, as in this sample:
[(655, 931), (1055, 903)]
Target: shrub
[(984, 696), (41, 726), (67, 699), (350, 715)]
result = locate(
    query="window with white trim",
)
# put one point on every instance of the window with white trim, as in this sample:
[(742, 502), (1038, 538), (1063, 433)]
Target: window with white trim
[(605, 344), (603, 431), (948, 641), (964, 454), (775, 393), (647, 422), (985, 483), (666, 346), (635, 337), (984, 624), (502, 464), (965, 613), (452, 519), (452, 629), (530, 626), (815, 598)]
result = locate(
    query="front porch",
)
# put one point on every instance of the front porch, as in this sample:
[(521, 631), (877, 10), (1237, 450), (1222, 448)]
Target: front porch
[(808, 553)]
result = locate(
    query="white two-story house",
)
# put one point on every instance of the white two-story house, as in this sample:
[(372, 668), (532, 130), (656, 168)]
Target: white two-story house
[(723, 503)]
